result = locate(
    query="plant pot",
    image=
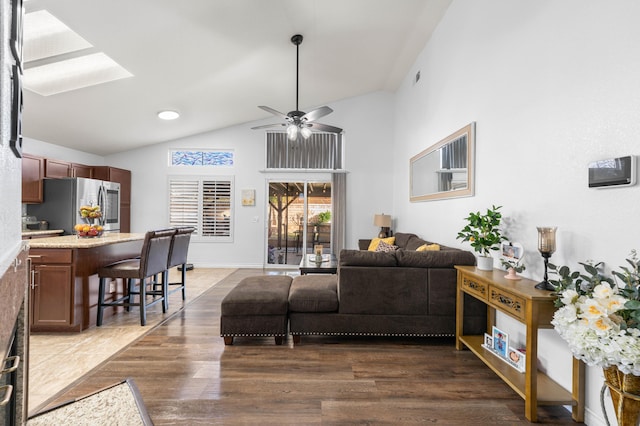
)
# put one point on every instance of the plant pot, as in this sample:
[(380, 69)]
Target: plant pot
[(625, 395), (485, 263)]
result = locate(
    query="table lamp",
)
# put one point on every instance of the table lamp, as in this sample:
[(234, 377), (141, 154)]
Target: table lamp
[(384, 222)]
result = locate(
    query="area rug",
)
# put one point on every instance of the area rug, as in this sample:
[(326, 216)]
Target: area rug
[(116, 405)]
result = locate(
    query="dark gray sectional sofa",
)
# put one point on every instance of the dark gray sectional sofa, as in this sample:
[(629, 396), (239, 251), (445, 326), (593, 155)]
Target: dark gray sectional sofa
[(398, 293)]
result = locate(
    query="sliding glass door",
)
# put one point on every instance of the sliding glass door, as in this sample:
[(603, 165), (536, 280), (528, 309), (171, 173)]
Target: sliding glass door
[(299, 218)]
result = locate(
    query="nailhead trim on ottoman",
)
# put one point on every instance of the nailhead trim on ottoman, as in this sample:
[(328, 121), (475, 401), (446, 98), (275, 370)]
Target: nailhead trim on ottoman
[(256, 306)]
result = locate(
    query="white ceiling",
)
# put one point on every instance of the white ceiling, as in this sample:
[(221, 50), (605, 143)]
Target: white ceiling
[(215, 61)]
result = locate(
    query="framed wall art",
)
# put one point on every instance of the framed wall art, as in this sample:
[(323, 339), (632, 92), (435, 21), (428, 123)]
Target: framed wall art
[(248, 197)]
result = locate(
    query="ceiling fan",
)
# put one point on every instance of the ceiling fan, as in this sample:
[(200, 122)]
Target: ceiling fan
[(298, 122)]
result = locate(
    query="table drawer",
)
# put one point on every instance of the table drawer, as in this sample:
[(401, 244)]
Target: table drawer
[(476, 288), (42, 256), (507, 302)]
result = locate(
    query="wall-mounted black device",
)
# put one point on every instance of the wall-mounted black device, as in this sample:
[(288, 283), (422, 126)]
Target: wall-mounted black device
[(613, 172)]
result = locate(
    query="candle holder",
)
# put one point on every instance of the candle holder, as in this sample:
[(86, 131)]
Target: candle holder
[(546, 247)]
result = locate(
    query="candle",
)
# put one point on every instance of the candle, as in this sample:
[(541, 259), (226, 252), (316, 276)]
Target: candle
[(547, 239)]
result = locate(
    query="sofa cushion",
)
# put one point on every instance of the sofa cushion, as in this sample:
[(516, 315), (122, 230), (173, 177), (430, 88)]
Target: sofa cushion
[(367, 258), (414, 242), (429, 247), (314, 293), (376, 241), (385, 247), (402, 238), (434, 259)]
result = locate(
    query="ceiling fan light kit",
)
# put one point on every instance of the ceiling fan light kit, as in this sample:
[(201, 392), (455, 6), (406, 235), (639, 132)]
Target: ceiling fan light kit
[(298, 123)]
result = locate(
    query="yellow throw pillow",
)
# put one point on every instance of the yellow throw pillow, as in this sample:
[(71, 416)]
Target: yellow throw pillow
[(429, 247), (374, 242)]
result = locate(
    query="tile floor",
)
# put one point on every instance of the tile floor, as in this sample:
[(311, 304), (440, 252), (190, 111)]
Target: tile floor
[(57, 360)]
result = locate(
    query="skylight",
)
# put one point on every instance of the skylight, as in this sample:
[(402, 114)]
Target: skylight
[(59, 60)]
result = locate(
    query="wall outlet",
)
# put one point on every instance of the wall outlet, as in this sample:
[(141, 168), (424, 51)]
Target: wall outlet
[(112, 286)]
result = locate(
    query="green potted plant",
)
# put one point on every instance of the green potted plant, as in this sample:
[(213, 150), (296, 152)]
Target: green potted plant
[(483, 233)]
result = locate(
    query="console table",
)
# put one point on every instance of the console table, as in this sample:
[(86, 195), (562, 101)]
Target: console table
[(534, 308)]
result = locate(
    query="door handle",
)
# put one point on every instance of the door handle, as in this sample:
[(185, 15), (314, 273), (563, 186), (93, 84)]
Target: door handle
[(8, 390), (16, 362)]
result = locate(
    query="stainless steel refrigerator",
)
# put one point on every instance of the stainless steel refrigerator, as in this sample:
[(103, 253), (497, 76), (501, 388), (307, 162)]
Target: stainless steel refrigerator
[(64, 197)]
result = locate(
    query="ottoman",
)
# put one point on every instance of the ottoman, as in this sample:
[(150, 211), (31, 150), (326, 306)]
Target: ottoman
[(256, 306), (311, 296)]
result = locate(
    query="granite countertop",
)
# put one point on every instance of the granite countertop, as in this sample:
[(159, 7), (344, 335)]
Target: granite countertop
[(33, 232), (72, 241)]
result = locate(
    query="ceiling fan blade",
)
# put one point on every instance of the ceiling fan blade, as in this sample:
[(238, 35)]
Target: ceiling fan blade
[(274, 112), (266, 126), (324, 127), (317, 113)]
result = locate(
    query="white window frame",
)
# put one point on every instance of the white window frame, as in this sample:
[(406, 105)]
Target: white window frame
[(200, 206)]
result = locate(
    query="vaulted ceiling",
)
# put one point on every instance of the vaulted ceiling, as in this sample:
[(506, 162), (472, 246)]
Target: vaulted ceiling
[(215, 61)]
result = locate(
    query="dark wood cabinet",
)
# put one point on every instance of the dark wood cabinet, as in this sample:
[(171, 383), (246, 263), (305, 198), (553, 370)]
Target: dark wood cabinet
[(123, 177), (32, 174), (80, 170), (56, 168), (62, 169), (52, 295)]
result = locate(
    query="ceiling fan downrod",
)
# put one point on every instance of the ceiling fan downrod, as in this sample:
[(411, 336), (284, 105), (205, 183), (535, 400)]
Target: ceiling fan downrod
[(297, 39)]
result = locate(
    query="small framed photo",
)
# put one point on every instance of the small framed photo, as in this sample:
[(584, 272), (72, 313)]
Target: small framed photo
[(488, 341), (512, 251), (500, 342), (248, 197), (516, 359)]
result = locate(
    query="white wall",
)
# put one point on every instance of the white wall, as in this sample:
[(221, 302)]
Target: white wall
[(552, 86), (367, 121), (57, 152)]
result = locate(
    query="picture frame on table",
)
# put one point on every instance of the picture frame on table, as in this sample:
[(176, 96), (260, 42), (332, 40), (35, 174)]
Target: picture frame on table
[(500, 341), (488, 341), (516, 358)]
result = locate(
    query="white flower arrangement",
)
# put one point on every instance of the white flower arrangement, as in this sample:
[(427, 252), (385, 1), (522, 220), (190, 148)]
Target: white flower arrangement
[(599, 319)]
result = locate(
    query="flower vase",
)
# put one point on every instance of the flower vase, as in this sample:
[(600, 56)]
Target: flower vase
[(625, 395), (511, 275), (485, 263)]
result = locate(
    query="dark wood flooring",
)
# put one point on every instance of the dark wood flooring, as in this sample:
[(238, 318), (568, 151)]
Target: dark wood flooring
[(187, 376)]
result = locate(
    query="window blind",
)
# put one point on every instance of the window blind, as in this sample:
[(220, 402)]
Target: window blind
[(321, 151), (205, 204)]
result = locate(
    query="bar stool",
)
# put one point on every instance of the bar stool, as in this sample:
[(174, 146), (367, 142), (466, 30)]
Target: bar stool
[(153, 260), (178, 257)]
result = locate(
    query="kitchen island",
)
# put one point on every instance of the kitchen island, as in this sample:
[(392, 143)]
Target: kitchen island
[(64, 278)]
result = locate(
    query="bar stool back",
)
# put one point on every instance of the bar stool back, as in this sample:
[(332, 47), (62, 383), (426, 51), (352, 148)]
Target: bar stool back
[(153, 260), (178, 257)]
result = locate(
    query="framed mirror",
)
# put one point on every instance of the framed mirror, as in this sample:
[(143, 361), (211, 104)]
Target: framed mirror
[(445, 169)]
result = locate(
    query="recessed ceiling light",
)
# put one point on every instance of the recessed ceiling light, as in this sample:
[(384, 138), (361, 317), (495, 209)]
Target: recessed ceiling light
[(168, 115)]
